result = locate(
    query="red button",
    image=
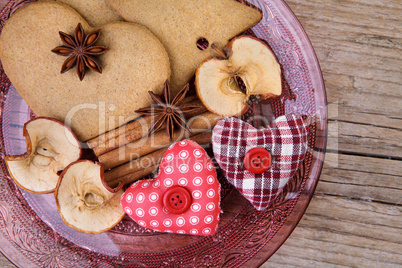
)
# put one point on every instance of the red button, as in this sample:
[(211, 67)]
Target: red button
[(257, 160), (177, 199)]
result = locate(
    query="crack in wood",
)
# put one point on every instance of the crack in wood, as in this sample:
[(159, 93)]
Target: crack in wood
[(364, 154)]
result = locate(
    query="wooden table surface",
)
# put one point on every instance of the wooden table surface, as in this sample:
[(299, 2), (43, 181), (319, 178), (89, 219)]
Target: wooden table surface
[(354, 218)]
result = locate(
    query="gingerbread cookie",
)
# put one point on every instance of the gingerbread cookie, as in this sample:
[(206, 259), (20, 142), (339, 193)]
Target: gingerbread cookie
[(95, 12), (135, 63), (181, 24)]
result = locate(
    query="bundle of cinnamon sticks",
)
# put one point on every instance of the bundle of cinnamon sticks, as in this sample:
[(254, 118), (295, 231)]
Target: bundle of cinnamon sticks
[(127, 153)]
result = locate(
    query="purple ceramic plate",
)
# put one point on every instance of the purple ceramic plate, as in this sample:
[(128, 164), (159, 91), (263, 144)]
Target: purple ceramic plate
[(33, 234)]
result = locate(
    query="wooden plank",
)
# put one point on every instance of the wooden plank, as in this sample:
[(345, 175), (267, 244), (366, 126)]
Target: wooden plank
[(365, 139), (355, 217), (358, 44), (372, 16), (362, 178), (381, 112), (340, 232)]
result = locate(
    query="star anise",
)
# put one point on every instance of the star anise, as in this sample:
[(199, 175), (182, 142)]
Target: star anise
[(80, 50), (169, 112)]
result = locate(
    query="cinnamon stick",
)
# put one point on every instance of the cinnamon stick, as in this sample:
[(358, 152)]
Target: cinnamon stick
[(145, 165), (146, 145), (131, 131), (131, 177), (136, 165)]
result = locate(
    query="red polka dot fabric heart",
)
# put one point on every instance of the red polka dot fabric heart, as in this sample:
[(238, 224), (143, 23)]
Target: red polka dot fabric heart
[(260, 162), (185, 196)]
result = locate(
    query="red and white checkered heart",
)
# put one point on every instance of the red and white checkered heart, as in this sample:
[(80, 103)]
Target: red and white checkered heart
[(184, 198), (234, 143)]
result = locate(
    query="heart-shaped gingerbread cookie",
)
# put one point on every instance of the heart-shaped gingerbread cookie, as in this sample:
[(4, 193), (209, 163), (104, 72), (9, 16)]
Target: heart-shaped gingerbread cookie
[(184, 198), (135, 63), (260, 162)]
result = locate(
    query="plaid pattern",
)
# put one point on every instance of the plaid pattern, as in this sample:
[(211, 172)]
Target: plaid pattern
[(285, 139)]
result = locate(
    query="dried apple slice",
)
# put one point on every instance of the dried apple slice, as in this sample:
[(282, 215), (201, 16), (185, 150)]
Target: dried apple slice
[(84, 201), (51, 146), (248, 60)]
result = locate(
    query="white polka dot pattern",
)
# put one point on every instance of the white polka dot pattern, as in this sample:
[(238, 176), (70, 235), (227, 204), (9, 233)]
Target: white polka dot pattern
[(168, 182), (208, 219), (210, 167), (169, 170), (167, 222), (140, 198), (206, 231), (185, 164), (195, 207), (197, 194), (211, 193), (129, 197), (183, 143), (210, 179), (139, 212), (153, 197), (145, 184), (198, 167), (135, 184), (169, 157), (183, 182), (194, 220), (153, 211), (128, 211), (197, 153), (183, 168), (154, 223), (183, 154), (197, 181), (180, 221), (210, 206)]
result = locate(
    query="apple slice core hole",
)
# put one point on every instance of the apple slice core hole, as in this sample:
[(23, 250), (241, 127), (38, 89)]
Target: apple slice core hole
[(93, 199), (202, 43), (241, 84)]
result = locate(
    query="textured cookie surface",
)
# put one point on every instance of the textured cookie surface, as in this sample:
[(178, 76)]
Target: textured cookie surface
[(180, 24), (95, 12), (135, 63)]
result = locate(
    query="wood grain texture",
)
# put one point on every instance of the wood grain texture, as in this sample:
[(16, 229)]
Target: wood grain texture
[(355, 216)]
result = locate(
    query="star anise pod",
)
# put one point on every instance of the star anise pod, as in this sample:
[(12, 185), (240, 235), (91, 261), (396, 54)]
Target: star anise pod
[(169, 112), (80, 50)]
